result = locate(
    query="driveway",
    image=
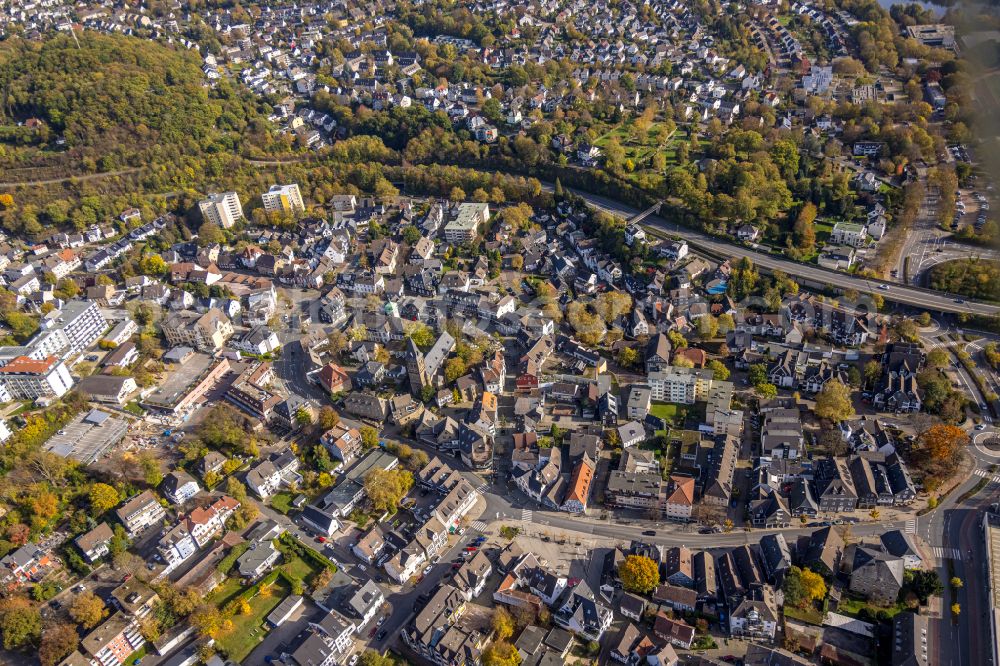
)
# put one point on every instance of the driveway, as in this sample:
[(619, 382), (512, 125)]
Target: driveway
[(281, 638)]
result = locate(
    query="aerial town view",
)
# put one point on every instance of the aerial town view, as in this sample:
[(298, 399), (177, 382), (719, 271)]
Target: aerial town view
[(504, 333)]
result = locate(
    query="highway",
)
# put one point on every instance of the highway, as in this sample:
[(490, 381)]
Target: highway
[(896, 292)]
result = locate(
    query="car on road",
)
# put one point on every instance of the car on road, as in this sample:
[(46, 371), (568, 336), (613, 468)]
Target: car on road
[(649, 533), (471, 549), (321, 539), (380, 622), (981, 426), (371, 634), (959, 300), (428, 569), (354, 659), (380, 635), (884, 287)]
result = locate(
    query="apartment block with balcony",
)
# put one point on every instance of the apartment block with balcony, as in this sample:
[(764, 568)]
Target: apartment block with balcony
[(26, 378), (140, 513), (113, 642), (285, 198), (223, 209), (680, 385), (207, 332)]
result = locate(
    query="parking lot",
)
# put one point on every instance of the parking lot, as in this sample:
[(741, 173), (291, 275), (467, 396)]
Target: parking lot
[(88, 437)]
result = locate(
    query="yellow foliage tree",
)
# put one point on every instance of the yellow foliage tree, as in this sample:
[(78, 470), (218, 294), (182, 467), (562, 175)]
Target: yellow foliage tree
[(639, 574), (813, 585)]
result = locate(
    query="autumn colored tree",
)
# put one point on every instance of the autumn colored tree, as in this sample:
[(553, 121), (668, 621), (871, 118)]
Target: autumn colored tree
[(833, 402), (501, 653), (502, 624), (943, 441), (805, 231), (385, 488), (639, 574), (803, 587), (58, 641), (628, 357), (719, 370), (18, 534), (103, 498), (813, 585), (328, 417), (20, 623), (88, 610)]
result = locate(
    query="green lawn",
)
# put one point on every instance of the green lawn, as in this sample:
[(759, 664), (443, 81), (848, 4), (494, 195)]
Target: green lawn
[(137, 655), (282, 502), (249, 630), (807, 615), (134, 408), (852, 607), (641, 149), (666, 411), (226, 592), (297, 567)]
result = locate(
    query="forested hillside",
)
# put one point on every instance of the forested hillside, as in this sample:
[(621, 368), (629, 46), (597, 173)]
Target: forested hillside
[(115, 96), (112, 103)]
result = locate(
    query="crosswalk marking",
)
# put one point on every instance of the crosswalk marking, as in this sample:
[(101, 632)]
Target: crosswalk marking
[(481, 489), (478, 525), (911, 527), (526, 515), (947, 553), (985, 473)]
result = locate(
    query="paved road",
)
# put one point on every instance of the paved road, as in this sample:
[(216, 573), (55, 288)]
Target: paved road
[(955, 529), (897, 293)]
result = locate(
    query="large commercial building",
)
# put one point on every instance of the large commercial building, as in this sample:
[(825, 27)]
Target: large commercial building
[(223, 209), (465, 226), (285, 198)]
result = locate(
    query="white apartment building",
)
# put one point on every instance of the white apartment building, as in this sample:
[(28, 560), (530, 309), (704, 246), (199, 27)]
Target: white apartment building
[(681, 385), (140, 512), (176, 546), (463, 229), (26, 378), (847, 233), (80, 321), (284, 198), (63, 333), (223, 209), (205, 523)]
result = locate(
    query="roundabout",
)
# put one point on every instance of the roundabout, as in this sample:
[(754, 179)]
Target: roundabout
[(987, 443)]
